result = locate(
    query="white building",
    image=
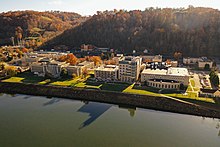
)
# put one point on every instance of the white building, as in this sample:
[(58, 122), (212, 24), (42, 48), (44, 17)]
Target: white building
[(171, 78), (190, 61), (78, 69), (107, 72), (202, 64), (51, 68), (156, 58), (129, 69)]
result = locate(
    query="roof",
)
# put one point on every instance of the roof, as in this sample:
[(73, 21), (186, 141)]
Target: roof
[(155, 72), (107, 68), (178, 71), (84, 63), (170, 71)]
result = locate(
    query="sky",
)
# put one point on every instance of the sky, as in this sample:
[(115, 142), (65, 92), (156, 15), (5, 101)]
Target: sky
[(90, 7)]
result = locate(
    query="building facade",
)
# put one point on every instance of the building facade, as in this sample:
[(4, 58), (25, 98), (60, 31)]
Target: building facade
[(129, 69), (107, 72), (52, 68), (78, 69), (165, 78)]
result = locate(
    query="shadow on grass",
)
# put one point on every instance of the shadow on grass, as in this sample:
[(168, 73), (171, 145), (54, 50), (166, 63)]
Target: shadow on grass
[(30, 77), (114, 87)]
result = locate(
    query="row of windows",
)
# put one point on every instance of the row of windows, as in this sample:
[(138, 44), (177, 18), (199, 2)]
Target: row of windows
[(165, 86)]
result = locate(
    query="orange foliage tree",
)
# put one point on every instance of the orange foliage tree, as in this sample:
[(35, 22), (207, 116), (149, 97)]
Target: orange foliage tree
[(24, 50), (69, 58), (96, 59)]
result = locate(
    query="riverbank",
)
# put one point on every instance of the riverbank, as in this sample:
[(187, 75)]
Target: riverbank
[(134, 100)]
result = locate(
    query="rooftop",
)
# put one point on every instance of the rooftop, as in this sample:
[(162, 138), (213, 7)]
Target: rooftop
[(178, 71), (107, 68), (169, 71)]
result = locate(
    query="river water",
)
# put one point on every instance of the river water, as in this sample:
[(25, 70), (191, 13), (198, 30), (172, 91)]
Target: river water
[(27, 121)]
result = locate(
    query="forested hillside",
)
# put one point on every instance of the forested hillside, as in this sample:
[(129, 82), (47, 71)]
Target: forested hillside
[(192, 31), (44, 25)]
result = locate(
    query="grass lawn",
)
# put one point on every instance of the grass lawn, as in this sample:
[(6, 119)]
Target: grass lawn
[(14, 80), (192, 82), (25, 77), (114, 87), (84, 85), (137, 91), (67, 82), (191, 96)]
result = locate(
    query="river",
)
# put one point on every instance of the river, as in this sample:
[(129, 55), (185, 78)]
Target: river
[(44, 122)]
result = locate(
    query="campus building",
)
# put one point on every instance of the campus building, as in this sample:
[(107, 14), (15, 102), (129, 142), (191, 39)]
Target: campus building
[(47, 67), (170, 78), (156, 58), (129, 69), (78, 69), (107, 72)]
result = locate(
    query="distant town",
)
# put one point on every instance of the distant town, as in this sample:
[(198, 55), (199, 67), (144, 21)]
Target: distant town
[(92, 67)]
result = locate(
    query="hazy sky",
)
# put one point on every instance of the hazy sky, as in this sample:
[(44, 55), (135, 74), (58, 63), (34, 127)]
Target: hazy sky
[(89, 7)]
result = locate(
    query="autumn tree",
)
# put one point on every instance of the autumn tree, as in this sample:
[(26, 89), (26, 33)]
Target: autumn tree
[(96, 59), (177, 55), (18, 34), (10, 71), (69, 58), (84, 72), (24, 50), (2, 66)]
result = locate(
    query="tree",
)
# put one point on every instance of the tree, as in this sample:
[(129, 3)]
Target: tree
[(96, 59), (177, 55), (207, 67), (73, 75), (18, 34), (84, 72), (24, 50), (10, 71), (213, 76), (2, 66), (69, 58), (63, 72)]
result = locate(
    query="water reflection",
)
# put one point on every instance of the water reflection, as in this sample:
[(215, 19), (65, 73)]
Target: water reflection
[(130, 109), (95, 110), (52, 101), (27, 97)]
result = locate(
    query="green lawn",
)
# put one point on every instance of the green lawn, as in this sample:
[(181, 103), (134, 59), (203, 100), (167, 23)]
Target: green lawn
[(14, 80), (84, 85), (114, 87), (192, 96), (137, 91), (25, 77), (67, 82), (192, 82)]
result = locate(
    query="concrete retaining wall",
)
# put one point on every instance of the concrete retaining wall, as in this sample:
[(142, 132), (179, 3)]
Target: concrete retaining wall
[(150, 102)]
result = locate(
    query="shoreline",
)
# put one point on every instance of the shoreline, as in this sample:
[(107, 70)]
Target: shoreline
[(118, 98)]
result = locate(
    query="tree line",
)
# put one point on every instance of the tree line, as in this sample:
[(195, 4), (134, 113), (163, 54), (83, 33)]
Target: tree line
[(192, 31)]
